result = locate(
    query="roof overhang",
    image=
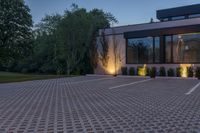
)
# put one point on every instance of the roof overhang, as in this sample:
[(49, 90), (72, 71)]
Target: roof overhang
[(163, 31), (157, 26), (178, 11)]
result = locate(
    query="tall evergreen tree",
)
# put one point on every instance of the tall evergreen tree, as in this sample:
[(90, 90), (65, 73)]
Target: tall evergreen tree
[(15, 31)]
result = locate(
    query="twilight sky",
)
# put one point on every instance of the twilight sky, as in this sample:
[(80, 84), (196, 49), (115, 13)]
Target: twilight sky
[(126, 11)]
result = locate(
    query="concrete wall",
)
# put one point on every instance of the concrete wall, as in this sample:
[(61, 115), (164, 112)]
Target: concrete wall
[(120, 58)]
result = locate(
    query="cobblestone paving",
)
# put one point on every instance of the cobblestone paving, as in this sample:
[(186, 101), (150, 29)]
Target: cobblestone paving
[(87, 105)]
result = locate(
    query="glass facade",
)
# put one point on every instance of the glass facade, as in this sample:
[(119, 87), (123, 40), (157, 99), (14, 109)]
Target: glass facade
[(157, 49), (186, 48), (168, 44), (183, 48), (143, 50)]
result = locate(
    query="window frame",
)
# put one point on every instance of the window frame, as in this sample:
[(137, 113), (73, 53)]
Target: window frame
[(172, 53), (153, 39)]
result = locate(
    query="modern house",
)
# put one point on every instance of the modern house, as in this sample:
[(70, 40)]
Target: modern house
[(172, 42)]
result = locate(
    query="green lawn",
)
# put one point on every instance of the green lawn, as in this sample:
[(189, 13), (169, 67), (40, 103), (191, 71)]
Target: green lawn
[(7, 77)]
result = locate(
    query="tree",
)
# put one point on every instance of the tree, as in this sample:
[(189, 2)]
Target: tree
[(15, 31), (116, 52), (103, 50), (48, 25), (77, 32), (46, 40), (66, 44), (100, 20)]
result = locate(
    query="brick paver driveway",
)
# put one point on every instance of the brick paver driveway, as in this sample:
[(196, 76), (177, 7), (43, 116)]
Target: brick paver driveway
[(100, 104)]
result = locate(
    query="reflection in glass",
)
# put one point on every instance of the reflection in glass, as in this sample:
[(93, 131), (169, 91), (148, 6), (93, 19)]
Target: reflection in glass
[(157, 49), (186, 48), (168, 43), (140, 50)]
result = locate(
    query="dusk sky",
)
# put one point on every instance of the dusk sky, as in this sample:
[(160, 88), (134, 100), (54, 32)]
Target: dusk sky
[(126, 11)]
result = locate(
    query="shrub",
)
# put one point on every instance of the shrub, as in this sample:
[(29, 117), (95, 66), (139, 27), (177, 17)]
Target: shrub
[(178, 71), (170, 72), (162, 71), (190, 72), (152, 72), (124, 70), (197, 72), (132, 71), (147, 71)]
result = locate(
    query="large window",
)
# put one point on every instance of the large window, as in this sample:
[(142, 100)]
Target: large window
[(183, 48), (186, 48), (168, 45), (157, 49), (143, 50)]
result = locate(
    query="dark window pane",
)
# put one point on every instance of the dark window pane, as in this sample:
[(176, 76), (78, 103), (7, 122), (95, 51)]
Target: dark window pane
[(168, 42), (132, 53), (140, 50), (186, 48), (157, 49)]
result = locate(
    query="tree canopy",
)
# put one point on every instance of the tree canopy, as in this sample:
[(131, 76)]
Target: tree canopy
[(62, 44), (70, 40), (15, 31)]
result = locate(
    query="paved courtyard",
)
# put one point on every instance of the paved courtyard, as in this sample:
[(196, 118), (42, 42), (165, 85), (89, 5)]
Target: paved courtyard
[(101, 104)]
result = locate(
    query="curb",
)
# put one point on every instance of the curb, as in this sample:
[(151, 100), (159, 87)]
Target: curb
[(128, 76), (98, 75)]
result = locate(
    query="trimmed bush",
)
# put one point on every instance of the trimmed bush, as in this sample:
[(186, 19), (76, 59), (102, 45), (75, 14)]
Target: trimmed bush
[(152, 72), (162, 71), (124, 70), (131, 71), (190, 72), (197, 72), (147, 71), (170, 72), (178, 71)]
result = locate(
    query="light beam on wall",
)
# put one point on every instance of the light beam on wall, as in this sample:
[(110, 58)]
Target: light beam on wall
[(184, 70), (142, 71)]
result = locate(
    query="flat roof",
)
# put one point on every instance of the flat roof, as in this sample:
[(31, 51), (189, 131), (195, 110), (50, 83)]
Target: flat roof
[(150, 26), (178, 11)]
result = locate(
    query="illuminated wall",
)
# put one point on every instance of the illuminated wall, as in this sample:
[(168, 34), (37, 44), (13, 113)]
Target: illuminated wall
[(184, 71), (113, 68)]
